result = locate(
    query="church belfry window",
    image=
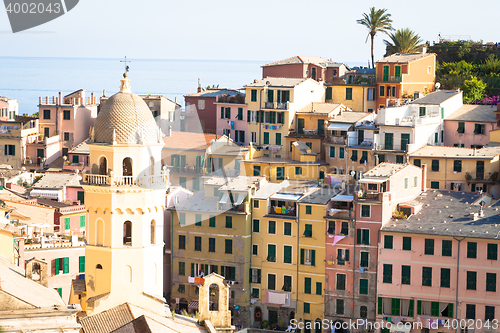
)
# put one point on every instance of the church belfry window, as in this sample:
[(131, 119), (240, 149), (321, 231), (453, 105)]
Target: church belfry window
[(127, 233), (127, 166)]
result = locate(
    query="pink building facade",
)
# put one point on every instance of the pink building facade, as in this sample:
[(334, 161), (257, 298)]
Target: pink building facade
[(441, 263), (232, 121), (351, 269), (470, 126)]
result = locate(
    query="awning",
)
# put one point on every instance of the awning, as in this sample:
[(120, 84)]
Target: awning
[(224, 198), (339, 127), (241, 197), (372, 180), (285, 197), (342, 197), (47, 194)]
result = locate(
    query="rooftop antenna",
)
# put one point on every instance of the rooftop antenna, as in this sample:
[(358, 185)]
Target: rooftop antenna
[(126, 66)]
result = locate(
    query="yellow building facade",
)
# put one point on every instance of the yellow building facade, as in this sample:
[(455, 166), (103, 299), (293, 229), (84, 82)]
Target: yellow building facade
[(357, 97)]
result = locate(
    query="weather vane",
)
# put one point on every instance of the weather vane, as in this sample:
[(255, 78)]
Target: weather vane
[(126, 66)]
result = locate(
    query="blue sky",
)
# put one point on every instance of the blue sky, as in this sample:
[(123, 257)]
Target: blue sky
[(239, 30)]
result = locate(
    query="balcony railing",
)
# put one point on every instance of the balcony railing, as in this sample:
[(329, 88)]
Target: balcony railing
[(482, 177), (339, 213), (393, 147), (392, 79), (104, 180), (276, 105), (377, 196), (285, 210), (187, 169), (338, 140)]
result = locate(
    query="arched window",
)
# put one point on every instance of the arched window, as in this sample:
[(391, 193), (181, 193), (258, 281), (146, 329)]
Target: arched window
[(127, 274), (99, 233), (153, 232), (127, 233), (151, 165), (127, 166), (214, 297), (98, 266), (317, 326), (363, 311), (103, 165)]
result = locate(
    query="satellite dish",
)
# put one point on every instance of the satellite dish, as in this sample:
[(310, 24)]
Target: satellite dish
[(437, 85), (353, 172)]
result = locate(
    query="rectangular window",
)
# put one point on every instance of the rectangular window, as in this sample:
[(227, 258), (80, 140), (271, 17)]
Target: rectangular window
[(457, 166), (211, 222), (415, 181), (240, 114), (491, 282), (308, 257), (229, 246), (82, 221), (427, 276), (271, 281), (10, 150), (435, 165), (229, 222), (307, 285), (307, 307), (385, 76), (46, 114), (387, 273), (340, 307), (363, 286), (342, 256), (255, 249), (417, 162), (341, 152), (445, 278), (344, 229), (66, 115), (255, 275), (256, 226), (266, 138), (471, 250), (328, 93), (446, 248), (364, 259), (256, 170), (197, 244), (211, 245), (67, 224), (388, 242), (429, 246), (406, 183), (182, 218), (182, 268), (253, 95), (255, 293), (365, 210), (489, 313), (461, 127), (287, 254), (308, 210), (271, 252), (332, 152), (470, 311), (354, 156), (82, 264), (479, 129), (405, 274), (308, 230), (492, 252), (363, 236), (381, 91), (319, 288), (341, 281), (298, 170), (182, 242), (406, 243), (197, 220), (422, 111), (271, 227), (287, 283), (348, 94), (287, 228)]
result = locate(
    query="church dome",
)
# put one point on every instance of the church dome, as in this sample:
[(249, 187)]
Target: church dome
[(125, 118)]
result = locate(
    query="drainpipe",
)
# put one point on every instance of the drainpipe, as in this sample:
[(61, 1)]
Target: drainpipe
[(354, 265), (298, 263), (458, 269)]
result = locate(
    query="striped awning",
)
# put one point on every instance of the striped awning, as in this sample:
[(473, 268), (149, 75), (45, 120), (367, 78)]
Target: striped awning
[(47, 194)]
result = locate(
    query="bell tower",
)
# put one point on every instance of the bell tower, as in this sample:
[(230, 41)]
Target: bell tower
[(125, 197)]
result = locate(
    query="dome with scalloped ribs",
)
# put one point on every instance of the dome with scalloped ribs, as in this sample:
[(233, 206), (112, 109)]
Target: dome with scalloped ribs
[(129, 116)]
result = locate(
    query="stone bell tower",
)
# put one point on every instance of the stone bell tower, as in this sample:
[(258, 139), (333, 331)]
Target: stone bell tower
[(125, 198), (214, 304)]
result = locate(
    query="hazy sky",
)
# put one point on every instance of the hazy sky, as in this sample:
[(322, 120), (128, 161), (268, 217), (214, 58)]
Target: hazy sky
[(240, 30)]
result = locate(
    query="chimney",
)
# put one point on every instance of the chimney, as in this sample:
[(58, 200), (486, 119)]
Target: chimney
[(104, 92), (423, 49), (424, 177), (92, 98), (169, 131), (60, 98), (199, 86)]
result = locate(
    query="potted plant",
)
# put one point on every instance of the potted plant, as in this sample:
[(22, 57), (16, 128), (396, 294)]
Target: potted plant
[(468, 176), (494, 176), (264, 324)]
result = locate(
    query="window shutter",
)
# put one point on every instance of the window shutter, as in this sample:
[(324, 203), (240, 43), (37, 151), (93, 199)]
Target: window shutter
[(411, 310), (258, 276), (282, 117), (82, 264), (419, 308), (358, 234), (250, 276), (366, 236), (222, 112), (313, 257), (302, 255), (319, 288), (228, 111), (56, 262), (5, 148), (450, 310), (192, 269), (223, 271), (346, 255), (380, 302), (248, 116), (261, 116), (66, 265), (435, 309)]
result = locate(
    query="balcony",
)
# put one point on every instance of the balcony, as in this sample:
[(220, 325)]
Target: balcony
[(373, 196), (481, 177), (276, 105), (393, 147), (145, 181), (338, 140), (392, 79), (279, 298), (186, 169), (367, 143), (339, 213), (308, 133), (285, 210)]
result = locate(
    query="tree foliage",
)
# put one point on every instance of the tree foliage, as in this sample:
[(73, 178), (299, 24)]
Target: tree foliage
[(377, 20), (474, 90), (403, 41)]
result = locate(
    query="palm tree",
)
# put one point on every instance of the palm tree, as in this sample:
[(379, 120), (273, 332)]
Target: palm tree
[(378, 20), (403, 41)]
